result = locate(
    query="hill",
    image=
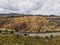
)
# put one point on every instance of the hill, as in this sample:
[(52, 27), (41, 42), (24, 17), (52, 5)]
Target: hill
[(27, 23), (24, 23)]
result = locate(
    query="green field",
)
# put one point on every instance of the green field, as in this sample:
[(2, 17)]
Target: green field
[(11, 39)]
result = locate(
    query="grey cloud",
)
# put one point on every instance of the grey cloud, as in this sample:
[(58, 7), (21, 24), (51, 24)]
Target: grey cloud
[(30, 6)]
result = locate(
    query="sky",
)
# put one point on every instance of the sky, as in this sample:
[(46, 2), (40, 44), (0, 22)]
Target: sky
[(35, 7)]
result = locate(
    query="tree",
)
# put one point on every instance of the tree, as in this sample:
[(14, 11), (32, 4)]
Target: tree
[(17, 30), (46, 37), (0, 31), (12, 32), (25, 34), (51, 36)]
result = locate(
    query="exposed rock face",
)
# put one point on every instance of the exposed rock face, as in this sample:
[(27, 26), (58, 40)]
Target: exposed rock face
[(25, 23)]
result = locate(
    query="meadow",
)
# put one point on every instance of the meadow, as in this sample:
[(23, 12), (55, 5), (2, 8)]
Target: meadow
[(12, 39)]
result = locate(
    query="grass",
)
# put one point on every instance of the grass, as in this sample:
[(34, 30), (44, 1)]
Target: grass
[(11, 39)]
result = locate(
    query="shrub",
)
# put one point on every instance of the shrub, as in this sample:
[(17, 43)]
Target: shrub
[(51, 36), (12, 32), (37, 37)]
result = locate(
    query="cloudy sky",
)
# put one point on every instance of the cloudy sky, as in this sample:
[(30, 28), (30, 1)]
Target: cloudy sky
[(44, 7)]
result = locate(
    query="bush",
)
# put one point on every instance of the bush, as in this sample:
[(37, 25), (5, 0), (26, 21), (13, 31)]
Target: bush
[(25, 34), (51, 36), (0, 31), (37, 37), (46, 37), (12, 32)]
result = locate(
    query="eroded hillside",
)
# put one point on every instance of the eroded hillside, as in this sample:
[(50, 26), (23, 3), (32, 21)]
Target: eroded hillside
[(26, 24)]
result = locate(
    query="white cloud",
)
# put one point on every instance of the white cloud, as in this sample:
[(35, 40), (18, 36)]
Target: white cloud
[(30, 6)]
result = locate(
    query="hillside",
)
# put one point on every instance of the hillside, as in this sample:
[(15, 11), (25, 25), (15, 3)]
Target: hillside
[(27, 24)]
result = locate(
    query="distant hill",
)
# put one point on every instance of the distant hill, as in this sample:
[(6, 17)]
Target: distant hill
[(55, 19)]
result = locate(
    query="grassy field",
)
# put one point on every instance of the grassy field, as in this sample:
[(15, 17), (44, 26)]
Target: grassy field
[(11, 39)]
